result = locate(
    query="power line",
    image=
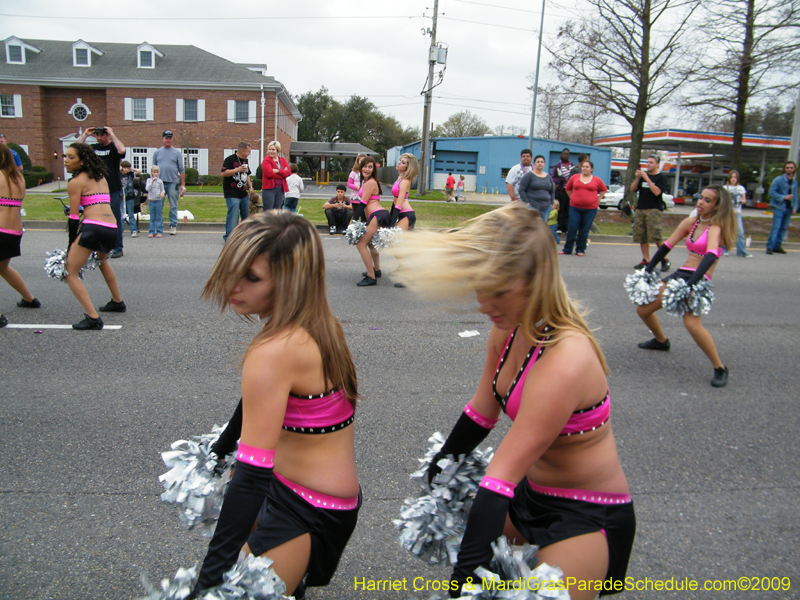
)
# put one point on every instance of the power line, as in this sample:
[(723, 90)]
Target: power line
[(182, 18)]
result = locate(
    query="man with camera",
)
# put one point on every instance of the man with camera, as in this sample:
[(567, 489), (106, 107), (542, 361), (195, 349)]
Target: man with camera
[(111, 151)]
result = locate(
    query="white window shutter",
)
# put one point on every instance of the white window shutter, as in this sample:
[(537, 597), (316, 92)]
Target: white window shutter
[(179, 109), (18, 106), (149, 111), (201, 116), (251, 112), (231, 111), (254, 162), (128, 109), (202, 163)]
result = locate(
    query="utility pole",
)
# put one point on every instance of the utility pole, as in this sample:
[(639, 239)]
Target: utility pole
[(424, 164), (536, 80)]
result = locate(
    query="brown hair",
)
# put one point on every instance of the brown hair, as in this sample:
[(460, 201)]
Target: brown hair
[(724, 215), (9, 168), (367, 160)]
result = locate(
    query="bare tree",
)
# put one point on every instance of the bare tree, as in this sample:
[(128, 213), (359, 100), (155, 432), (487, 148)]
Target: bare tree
[(462, 124), (510, 130), (618, 54), (751, 55), (554, 109)]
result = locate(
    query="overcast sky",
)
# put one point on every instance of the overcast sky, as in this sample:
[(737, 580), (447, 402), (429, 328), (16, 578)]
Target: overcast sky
[(373, 49)]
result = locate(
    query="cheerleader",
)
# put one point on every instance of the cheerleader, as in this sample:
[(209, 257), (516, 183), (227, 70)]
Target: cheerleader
[(403, 216), (294, 496), (12, 192), (376, 216), (714, 227), (354, 185), (96, 233), (555, 480)]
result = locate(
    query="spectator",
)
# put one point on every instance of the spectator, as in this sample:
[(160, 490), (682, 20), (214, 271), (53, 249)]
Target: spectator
[(561, 174), (459, 188), (236, 186), (295, 184), (14, 153), (130, 191), (155, 194), (354, 183), (738, 195), (516, 172), (536, 188), (274, 171), (783, 198), (585, 192), (170, 161), (576, 170), (449, 186), (650, 184), (111, 151), (338, 211)]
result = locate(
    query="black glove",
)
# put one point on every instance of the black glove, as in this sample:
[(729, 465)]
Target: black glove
[(72, 227), (226, 442), (464, 438), (487, 517), (243, 500), (660, 255), (708, 260)]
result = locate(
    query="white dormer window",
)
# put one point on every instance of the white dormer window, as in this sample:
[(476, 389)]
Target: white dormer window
[(15, 51), (146, 56), (82, 54)]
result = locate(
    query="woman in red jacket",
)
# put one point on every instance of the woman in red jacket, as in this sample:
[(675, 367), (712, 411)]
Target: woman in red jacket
[(274, 171), (585, 192)]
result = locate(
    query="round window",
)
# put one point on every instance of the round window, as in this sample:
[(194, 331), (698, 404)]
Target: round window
[(80, 112)]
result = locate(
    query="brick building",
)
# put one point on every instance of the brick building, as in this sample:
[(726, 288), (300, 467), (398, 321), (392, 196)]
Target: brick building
[(51, 90)]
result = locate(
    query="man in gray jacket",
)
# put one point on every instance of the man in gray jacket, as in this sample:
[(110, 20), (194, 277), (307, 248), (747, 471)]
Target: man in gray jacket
[(170, 161)]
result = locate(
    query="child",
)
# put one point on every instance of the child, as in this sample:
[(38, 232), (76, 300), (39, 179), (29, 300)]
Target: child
[(460, 188), (295, 183), (338, 211), (155, 193), (131, 192), (255, 203)]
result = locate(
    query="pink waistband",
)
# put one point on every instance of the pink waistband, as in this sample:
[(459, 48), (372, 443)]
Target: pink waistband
[(258, 457), (10, 231), (484, 422), (705, 276), (498, 486), (318, 499), (583, 495), (100, 223)]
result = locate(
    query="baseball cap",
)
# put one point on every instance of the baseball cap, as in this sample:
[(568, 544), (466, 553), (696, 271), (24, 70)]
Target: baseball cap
[(100, 130), (167, 133)]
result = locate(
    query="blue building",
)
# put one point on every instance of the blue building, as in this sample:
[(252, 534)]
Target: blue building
[(484, 161)]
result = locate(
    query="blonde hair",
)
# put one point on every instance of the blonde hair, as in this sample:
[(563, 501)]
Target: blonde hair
[(357, 163), (724, 215), (413, 167), (490, 254), (155, 169), (293, 250), (276, 144)]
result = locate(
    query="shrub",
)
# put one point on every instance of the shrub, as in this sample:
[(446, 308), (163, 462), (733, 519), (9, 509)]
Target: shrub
[(34, 178), (339, 176), (212, 179), (23, 156), (38, 169), (259, 174), (256, 183), (191, 176)]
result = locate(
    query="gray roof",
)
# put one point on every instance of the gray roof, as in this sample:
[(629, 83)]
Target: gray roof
[(180, 67), (329, 149)]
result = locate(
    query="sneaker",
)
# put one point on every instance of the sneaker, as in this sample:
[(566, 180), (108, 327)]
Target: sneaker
[(720, 377), (333, 231), (89, 323), (665, 266), (769, 251), (135, 234), (745, 256), (641, 265), (377, 273), (3, 321), (32, 304), (158, 235), (367, 281), (779, 250), (115, 254), (173, 230), (112, 306), (654, 344), (725, 253)]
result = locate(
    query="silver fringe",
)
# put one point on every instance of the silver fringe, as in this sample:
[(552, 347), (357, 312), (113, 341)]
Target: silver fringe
[(432, 525), (386, 237), (642, 287), (679, 299), (197, 480), (354, 232), (251, 578), (55, 265)]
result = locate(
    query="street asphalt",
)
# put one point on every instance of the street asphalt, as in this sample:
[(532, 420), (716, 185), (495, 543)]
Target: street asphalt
[(84, 417)]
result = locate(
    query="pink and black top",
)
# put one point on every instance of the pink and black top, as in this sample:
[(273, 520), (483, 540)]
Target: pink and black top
[(92, 199), (700, 247), (12, 202), (323, 413)]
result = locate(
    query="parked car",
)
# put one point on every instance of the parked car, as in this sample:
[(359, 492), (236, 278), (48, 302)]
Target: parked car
[(616, 194)]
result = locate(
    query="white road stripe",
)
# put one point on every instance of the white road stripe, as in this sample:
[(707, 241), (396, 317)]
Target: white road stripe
[(27, 326)]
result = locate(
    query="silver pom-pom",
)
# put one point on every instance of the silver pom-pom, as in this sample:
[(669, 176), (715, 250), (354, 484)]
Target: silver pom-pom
[(354, 232), (386, 237), (642, 287), (197, 480), (511, 576), (679, 299), (251, 578), (432, 525), (55, 265)]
